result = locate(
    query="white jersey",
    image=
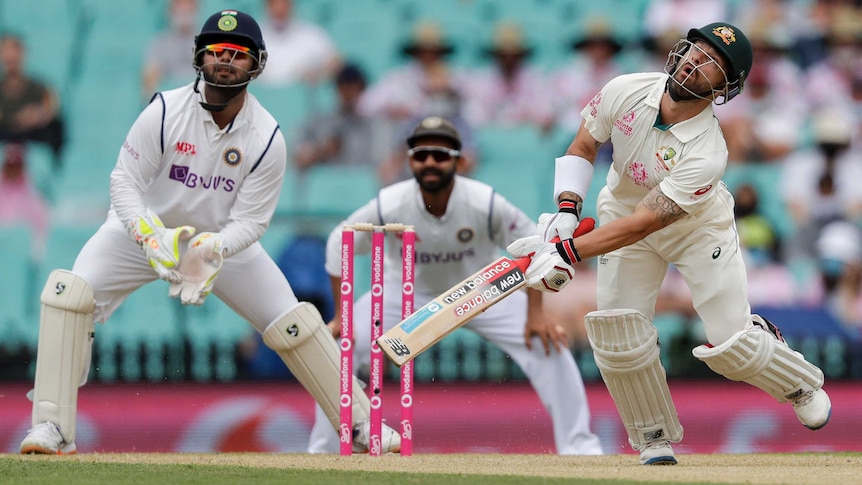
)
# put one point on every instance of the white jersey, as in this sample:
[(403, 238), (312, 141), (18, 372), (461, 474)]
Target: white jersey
[(478, 223), (180, 164), (686, 159)]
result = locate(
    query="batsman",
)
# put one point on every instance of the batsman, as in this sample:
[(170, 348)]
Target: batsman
[(665, 203)]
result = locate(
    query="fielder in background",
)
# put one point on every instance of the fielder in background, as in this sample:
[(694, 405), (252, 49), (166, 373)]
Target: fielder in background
[(461, 226), (664, 202), (195, 187)]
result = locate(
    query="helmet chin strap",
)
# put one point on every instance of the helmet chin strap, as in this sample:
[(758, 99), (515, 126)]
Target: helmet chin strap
[(213, 107)]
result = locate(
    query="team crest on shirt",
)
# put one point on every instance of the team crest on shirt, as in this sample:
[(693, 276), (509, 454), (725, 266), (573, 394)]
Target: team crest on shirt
[(665, 157), (232, 157), (465, 235)]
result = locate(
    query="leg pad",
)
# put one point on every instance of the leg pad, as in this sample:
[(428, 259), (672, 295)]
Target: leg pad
[(626, 350), (306, 346)]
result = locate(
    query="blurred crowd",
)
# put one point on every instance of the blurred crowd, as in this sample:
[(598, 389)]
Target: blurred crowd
[(800, 114)]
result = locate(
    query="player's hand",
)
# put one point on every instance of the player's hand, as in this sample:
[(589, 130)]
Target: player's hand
[(334, 327), (564, 223), (548, 271), (160, 244), (561, 225), (199, 268), (549, 333)]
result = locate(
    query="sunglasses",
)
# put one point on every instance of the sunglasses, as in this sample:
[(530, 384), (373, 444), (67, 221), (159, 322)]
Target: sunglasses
[(217, 49), (439, 154)]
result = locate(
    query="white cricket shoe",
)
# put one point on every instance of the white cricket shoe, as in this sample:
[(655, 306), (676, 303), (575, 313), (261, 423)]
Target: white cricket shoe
[(813, 409), (390, 440), (657, 453), (45, 439)]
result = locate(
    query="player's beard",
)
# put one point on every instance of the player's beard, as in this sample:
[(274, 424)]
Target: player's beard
[(444, 179)]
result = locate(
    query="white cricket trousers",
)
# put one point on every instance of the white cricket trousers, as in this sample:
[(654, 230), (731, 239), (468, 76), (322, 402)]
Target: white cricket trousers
[(705, 249)]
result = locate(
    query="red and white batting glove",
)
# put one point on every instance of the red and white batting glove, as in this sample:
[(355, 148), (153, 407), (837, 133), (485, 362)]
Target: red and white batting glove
[(552, 267)]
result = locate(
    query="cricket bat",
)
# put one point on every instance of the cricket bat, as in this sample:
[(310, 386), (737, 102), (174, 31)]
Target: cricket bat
[(458, 305)]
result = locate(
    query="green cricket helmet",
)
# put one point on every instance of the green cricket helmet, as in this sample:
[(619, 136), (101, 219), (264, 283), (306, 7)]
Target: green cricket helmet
[(736, 49)]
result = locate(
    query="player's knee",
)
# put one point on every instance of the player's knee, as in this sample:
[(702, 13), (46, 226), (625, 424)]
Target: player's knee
[(294, 328), (67, 291)]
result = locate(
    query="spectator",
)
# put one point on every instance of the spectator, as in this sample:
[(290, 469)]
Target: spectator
[(770, 283), (299, 51), (819, 182), (29, 109), (424, 86), (593, 64), (20, 202), (830, 81), (767, 121), (661, 16), (510, 92), (344, 136), (839, 250), (167, 59)]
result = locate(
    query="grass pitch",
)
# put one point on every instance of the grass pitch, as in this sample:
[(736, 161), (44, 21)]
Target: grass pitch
[(478, 469)]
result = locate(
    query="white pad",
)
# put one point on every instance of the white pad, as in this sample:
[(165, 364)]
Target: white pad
[(756, 357), (65, 345), (306, 346), (626, 350)]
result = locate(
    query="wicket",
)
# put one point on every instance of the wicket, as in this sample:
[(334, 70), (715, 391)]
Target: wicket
[(408, 238)]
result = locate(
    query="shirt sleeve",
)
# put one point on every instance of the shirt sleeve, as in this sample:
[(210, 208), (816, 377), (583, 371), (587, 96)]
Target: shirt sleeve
[(599, 114), (137, 163)]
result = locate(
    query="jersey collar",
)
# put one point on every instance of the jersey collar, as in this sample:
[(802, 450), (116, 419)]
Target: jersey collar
[(686, 130)]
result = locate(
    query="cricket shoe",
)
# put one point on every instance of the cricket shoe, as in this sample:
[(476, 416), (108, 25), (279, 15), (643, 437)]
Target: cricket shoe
[(46, 439), (657, 453), (813, 409), (390, 440)]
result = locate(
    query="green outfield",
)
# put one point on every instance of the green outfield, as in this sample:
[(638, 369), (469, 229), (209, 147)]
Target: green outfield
[(478, 469)]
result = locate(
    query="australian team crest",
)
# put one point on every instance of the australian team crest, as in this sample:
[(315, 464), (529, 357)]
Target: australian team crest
[(232, 157), (726, 34)]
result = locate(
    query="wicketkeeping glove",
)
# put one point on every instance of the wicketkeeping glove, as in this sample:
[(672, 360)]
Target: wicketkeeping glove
[(199, 268), (549, 271), (160, 244)]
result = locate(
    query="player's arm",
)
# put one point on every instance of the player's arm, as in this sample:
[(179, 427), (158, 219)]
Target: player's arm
[(654, 212), (538, 325), (573, 173)]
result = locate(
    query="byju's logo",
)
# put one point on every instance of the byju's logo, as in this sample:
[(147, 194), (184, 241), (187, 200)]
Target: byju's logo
[(184, 175)]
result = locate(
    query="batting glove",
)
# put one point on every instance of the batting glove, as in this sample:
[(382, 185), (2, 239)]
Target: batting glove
[(562, 224), (551, 268), (199, 268), (160, 244)]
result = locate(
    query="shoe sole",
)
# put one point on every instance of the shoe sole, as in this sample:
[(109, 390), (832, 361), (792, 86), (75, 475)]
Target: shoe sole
[(661, 460), (40, 450)]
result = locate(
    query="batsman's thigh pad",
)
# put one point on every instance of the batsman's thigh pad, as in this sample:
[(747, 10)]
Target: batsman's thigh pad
[(756, 357), (306, 346), (65, 346), (626, 351)]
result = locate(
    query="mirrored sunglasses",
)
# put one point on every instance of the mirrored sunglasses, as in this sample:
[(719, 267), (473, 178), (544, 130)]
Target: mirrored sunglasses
[(439, 154), (217, 49)]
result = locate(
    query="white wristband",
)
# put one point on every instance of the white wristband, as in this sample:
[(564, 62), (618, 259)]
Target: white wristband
[(572, 174)]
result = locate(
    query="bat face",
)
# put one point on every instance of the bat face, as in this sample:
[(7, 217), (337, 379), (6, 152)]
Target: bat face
[(454, 308), (459, 304)]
